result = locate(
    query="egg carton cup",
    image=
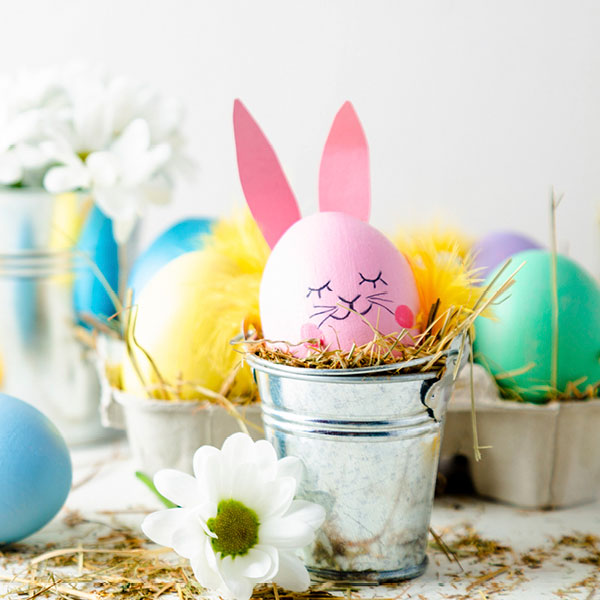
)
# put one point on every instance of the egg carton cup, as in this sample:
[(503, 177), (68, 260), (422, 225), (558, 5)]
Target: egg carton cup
[(165, 434), (541, 456)]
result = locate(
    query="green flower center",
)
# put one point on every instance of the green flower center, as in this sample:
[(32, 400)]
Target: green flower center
[(236, 527)]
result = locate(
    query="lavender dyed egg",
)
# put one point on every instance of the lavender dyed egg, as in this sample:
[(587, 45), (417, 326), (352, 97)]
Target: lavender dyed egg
[(497, 247)]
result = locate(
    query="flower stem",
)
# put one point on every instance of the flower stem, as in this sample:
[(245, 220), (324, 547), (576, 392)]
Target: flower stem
[(148, 482)]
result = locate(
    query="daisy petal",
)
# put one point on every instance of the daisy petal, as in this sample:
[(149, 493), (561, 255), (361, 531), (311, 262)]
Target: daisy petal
[(286, 533), (290, 466), (159, 526), (309, 512), (145, 166), (246, 487), (10, 169), (103, 168), (292, 574), (238, 446), (65, 179), (274, 554), (266, 459), (200, 457), (240, 587), (30, 156), (278, 497), (211, 558), (188, 539), (256, 564), (178, 487), (123, 227), (203, 512), (135, 139), (216, 479), (205, 574)]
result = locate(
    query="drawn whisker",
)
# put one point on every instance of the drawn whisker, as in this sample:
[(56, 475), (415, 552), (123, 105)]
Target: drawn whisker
[(322, 312), (328, 316), (382, 306), (373, 298), (377, 294), (366, 311)]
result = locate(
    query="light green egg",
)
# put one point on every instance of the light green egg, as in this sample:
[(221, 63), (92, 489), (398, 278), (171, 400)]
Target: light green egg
[(522, 334)]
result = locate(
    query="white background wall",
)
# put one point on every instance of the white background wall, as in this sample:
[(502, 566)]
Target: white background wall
[(472, 108)]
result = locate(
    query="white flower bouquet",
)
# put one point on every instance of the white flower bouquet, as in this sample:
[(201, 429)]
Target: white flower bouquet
[(77, 128)]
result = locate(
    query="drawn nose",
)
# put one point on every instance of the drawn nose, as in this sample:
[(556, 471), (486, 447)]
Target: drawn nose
[(349, 302)]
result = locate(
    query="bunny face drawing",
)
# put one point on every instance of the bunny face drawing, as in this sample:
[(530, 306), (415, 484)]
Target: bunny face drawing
[(330, 276)]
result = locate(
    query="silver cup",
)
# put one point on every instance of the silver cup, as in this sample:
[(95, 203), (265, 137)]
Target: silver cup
[(370, 444), (42, 360)]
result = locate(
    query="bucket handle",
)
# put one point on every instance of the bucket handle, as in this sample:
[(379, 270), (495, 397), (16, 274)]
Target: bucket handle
[(437, 396)]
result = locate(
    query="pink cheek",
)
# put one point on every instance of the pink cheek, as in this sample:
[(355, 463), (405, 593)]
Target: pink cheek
[(310, 331), (404, 316)]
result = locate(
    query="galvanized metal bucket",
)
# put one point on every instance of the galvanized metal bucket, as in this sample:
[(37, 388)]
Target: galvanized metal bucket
[(370, 443), (42, 360)]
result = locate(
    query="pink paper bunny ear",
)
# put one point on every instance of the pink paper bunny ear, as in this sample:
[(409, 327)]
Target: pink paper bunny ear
[(267, 191), (344, 182)]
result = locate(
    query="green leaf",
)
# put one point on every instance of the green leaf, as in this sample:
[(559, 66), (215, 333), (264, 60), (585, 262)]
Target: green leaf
[(148, 482)]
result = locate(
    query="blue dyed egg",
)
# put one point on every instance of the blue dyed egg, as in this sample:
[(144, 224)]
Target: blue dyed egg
[(35, 470), (185, 236), (99, 246)]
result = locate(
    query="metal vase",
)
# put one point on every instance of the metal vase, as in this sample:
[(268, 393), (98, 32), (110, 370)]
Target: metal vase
[(370, 444), (41, 359)]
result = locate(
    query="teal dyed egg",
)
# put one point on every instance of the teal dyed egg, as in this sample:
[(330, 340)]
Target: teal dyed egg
[(35, 470), (97, 244), (185, 236), (521, 336)]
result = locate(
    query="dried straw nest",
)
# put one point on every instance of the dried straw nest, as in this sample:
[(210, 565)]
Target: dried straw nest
[(442, 327)]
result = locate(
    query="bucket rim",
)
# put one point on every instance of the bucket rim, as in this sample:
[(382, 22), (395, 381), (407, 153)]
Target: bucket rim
[(365, 375), (390, 369)]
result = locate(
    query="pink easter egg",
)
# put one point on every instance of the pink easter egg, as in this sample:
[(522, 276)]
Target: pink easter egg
[(335, 279), (332, 281)]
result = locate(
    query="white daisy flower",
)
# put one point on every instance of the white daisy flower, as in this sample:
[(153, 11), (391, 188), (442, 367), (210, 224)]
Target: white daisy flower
[(31, 109), (124, 178), (76, 128), (238, 524)]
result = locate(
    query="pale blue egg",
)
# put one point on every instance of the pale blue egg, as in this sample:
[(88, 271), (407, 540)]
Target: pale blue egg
[(185, 236), (35, 470), (96, 245)]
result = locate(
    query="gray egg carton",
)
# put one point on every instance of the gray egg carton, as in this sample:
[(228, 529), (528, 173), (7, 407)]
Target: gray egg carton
[(165, 434), (541, 456)]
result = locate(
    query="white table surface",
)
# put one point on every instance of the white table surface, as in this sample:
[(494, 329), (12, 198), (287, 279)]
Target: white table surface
[(106, 490)]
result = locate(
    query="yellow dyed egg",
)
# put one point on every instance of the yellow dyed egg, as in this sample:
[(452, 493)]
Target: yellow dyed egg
[(68, 214), (186, 315)]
